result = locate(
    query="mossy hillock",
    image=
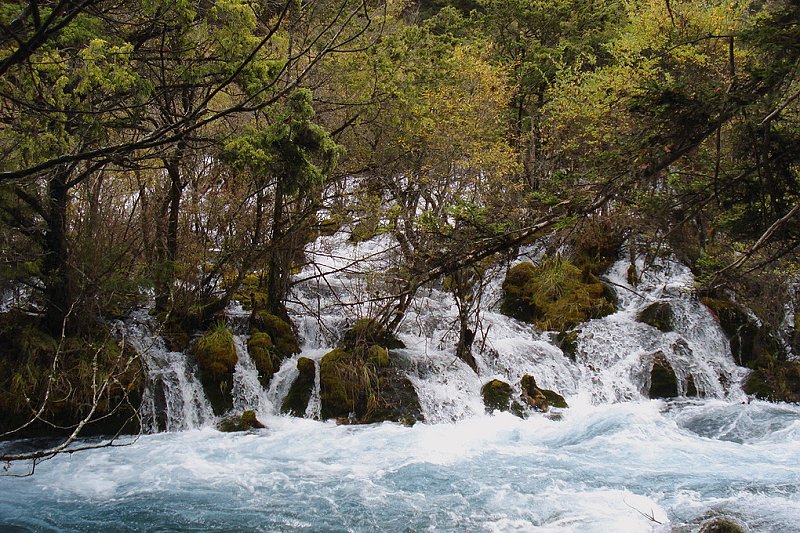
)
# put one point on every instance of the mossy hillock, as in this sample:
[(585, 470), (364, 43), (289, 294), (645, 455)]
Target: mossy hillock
[(260, 348), (555, 295), (540, 399), (284, 340), (215, 354), (31, 361), (360, 383)]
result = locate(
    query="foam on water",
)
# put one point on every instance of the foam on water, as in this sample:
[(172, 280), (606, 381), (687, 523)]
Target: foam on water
[(637, 466)]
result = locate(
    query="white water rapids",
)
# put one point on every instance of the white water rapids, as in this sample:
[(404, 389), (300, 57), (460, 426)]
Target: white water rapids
[(614, 462)]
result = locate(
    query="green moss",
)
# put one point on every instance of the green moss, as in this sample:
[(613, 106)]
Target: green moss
[(245, 422), (774, 379), (556, 295), (366, 332), (378, 356), (659, 315), (663, 382), (296, 401), (284, 341), (345, 381), (29, 358), (259, 346), (554, 399), (496, 395), (721, 525), (215, 353)]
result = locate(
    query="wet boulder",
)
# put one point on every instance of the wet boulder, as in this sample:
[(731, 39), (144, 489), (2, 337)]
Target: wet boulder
[(497, 395), (360, 383), (721, 525), (215, 353), (245, 422), (284, 341), (659, 315), (540, 399), (260, 348), (774, 379), (555, 295), (296, 401), (663, 381)]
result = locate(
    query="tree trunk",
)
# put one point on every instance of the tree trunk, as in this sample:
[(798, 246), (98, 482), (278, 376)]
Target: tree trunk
[(59, 297)]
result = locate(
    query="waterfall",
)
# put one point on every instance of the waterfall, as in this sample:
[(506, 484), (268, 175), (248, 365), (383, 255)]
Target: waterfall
[(173, 398), (610, 363)]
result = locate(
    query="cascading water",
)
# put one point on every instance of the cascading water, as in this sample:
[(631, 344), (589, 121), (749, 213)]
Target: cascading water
[(173, 399), (615, 461)]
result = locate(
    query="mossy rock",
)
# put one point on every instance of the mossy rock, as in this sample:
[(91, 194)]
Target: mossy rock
[(774, 379), (659, 315), (554, 399), (296, 401), (345, 380), (721, 525), (260, 347), (663, 381), (598, 243), (748, 340), (540, 399), (497, 395), (284, 341), (378, 356), (359, 391), (245, 422), (567, 341), (367, 332), (556, 295), (215, 353)]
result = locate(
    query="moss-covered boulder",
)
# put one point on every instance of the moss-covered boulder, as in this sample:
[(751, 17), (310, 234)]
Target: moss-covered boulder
[(260, 348), (284, 341), (721, 525), (774, 379), (659, 315), (497, 395), (360, 385), (540, 399), (245, 422), (296, 402), (369, 332), (555, 295), (663, 381), (215, 353)]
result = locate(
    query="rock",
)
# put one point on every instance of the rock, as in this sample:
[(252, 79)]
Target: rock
[(540, 399), (659, 315), (361, 385), (721, 525), (245, 422), (567, 341), (215, 353), (296, 401), (260, 347), (774, 379), (556, 295), (497, 395), (284, 341), (691, 388), (554, 399), (747, 339), (663, 382)]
